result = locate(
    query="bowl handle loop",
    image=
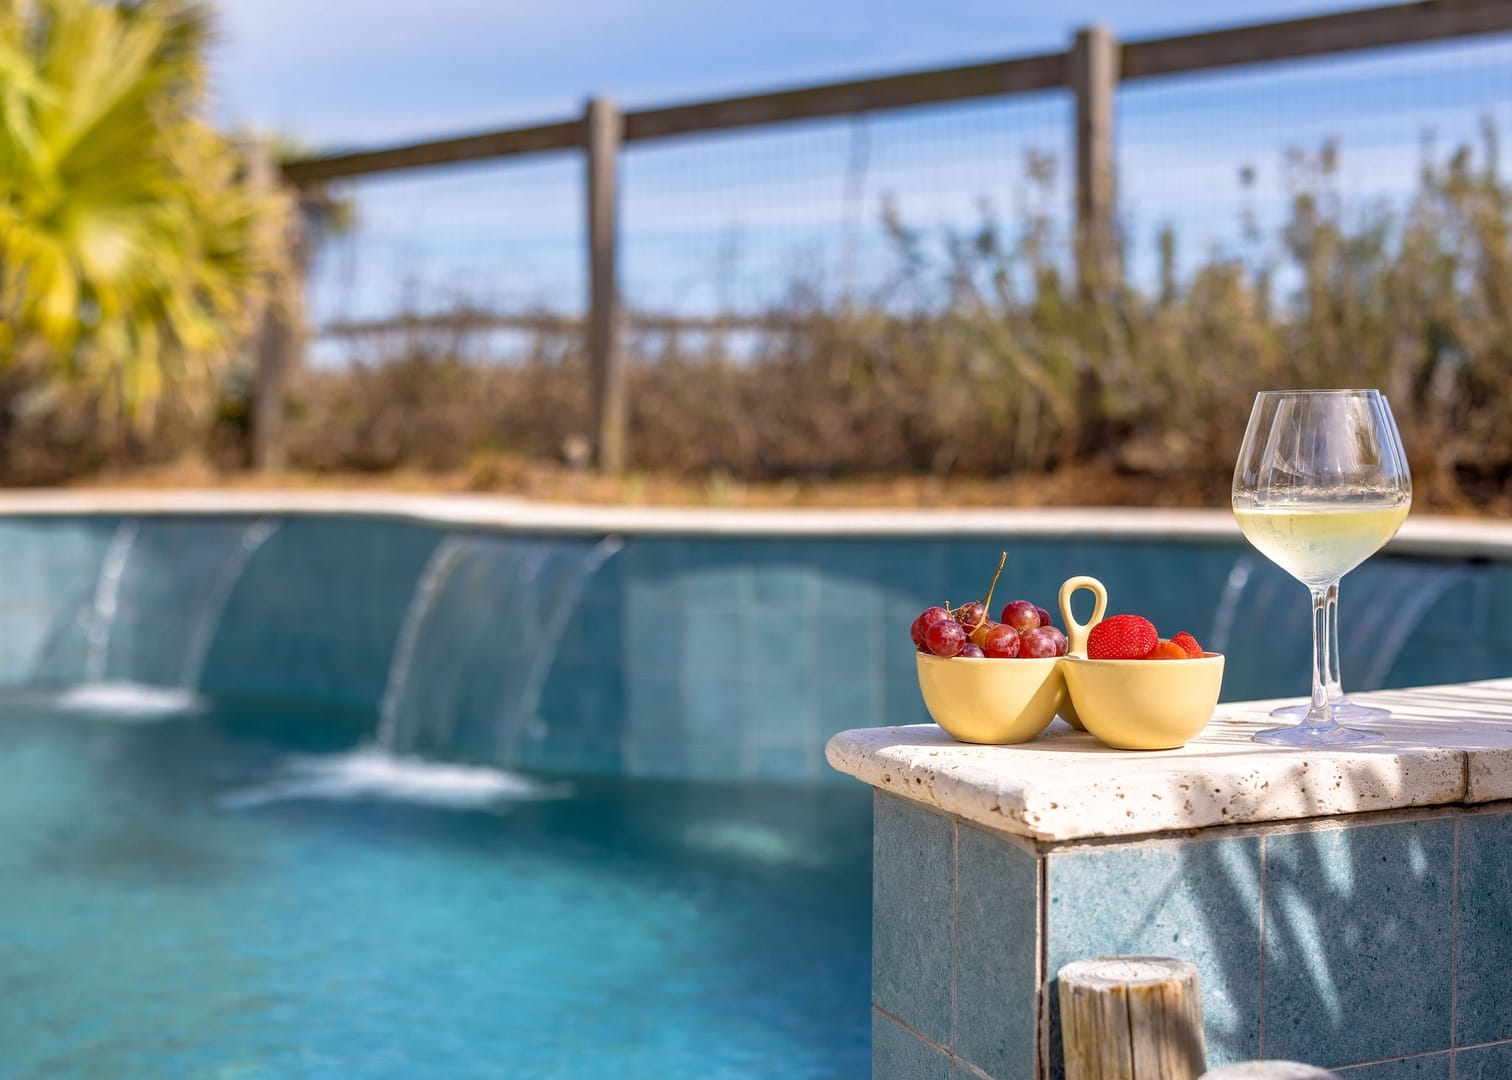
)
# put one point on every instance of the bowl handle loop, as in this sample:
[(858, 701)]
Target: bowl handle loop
[(1076, 633)]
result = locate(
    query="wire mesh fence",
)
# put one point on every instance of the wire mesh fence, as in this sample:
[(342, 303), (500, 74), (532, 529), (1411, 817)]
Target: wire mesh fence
[(742, 224), (898, 289), (1219, 159), (733, 228), (497, 238)]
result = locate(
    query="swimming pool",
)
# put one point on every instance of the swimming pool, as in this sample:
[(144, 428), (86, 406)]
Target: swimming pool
[(192, 898), (296, 792)]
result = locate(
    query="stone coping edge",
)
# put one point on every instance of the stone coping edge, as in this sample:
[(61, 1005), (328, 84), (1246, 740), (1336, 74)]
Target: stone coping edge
[(1445, 745), (1423, 534)]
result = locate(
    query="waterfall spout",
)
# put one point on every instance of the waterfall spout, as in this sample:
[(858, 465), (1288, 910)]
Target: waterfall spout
[(107, 599)]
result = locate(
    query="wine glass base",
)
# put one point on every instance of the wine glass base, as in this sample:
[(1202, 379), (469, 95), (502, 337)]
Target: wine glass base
[(1315, 737), (1343, 710)]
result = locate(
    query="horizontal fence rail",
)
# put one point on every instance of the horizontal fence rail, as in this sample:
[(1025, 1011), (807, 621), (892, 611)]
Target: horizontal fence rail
[(554, 323), (1091, 70), (1348, 31)]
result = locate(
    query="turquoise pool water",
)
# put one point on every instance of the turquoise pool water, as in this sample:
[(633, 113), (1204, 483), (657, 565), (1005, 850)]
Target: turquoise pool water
[(235, 894)]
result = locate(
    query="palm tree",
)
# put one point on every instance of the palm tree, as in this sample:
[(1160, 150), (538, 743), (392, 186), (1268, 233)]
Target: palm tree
[(133, 246)]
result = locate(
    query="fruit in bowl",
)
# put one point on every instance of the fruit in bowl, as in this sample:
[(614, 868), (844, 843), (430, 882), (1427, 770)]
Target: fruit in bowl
[(967, 688), (991, 700), (1130, 700), (1133, 637), (1024, 629)]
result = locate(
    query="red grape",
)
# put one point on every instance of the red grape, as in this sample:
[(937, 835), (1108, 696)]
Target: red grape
[(927, 618), (969, 615), (1021, 615), (945, 638), (1043, 642), (1045, 619), (979, 635), (971, 650), (1003, 642)]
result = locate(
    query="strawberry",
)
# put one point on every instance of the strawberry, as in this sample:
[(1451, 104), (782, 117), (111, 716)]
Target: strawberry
[(1188, 644), (1122, 637), (1168, 650)]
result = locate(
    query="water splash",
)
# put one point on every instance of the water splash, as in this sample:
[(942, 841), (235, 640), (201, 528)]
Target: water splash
[(373, 774), (128, 701), (107, 598)]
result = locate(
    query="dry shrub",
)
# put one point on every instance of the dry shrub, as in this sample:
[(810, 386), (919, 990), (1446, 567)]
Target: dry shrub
[(994, 361)]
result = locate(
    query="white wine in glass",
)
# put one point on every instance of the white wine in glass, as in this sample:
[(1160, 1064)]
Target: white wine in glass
[(1321, 484)]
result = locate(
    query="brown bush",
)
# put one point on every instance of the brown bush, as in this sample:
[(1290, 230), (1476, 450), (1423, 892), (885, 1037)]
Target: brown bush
[(997, 363)]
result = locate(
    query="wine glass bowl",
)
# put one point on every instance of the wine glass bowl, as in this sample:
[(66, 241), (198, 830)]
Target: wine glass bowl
[(1320, 485)]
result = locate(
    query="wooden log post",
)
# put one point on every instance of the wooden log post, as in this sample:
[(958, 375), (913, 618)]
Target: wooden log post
[(281, 330), (1093, 75), (1131, 1018), (603, 130)]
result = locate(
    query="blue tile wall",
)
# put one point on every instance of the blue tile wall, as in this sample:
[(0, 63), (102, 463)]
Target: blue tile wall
[(997, 919), (317, 611), (1484, 956), (1483, 1063), (1197, 900), (1356, 944), (676, 641), (898, 1054), (49, 568), (913, 881), (1348, 912), (1426, 1067)]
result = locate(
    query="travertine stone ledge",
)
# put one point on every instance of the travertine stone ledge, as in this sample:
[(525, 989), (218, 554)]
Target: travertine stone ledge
[(1444, 745), (1423, 534)]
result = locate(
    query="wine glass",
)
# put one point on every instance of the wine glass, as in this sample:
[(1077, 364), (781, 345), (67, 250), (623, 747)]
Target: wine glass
[(1321, 484), (1345, 710)]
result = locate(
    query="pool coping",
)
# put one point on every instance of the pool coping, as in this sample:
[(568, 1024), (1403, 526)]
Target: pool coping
[(1444, 746), (1424, 534)]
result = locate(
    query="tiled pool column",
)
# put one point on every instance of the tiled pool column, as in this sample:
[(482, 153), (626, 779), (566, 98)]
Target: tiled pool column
[(1355, 912), (1378, 947)]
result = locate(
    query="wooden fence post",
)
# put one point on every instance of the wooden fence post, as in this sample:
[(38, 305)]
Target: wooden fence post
[(603, 132), (280, 333), (1094, 63)]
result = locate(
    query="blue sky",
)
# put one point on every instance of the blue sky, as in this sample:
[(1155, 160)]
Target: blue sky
[(728, 220), (340, 72)]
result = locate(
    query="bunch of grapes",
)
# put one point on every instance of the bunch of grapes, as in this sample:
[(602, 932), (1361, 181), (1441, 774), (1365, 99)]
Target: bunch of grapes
[(1024, 630)]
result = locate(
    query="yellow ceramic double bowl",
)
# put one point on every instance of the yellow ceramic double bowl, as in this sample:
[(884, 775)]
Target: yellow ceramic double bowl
[(1125, 704)]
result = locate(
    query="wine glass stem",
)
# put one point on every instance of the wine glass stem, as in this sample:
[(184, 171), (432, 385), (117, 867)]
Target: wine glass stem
[(1320, 713), (1334, 678)]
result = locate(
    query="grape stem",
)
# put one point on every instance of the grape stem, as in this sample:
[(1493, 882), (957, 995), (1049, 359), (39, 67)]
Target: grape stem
[(987, 600)]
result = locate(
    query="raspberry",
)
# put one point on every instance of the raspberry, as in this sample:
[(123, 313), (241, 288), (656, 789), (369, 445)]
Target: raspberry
[(1122, 637), (1168, 650), (1188, 644)]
